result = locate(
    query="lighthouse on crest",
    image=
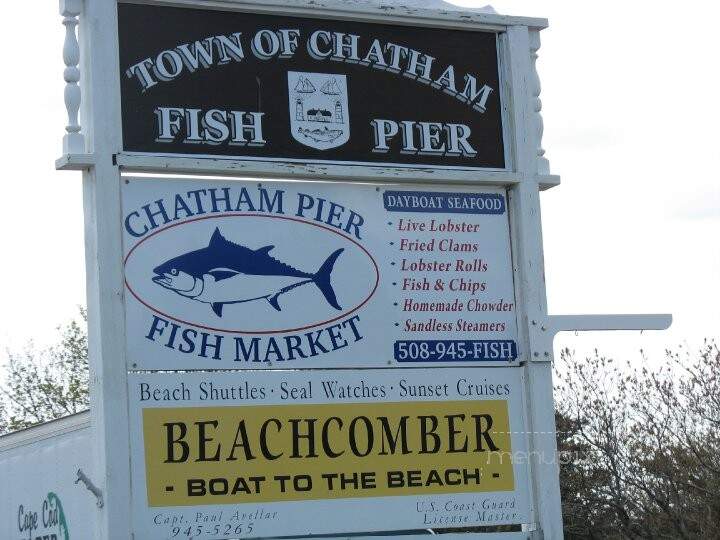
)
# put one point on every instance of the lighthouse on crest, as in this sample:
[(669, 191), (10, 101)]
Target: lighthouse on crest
[(338, 112)]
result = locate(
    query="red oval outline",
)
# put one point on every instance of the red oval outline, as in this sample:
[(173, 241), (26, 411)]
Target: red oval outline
[(256, 332)]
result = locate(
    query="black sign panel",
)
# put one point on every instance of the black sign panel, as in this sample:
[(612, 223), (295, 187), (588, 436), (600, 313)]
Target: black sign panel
[(267, 87)]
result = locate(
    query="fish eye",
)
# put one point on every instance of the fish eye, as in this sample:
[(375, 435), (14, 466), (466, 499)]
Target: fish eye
[(174, 272)]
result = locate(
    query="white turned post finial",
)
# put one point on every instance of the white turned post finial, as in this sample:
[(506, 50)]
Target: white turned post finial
[(73, 141), (543, 165)]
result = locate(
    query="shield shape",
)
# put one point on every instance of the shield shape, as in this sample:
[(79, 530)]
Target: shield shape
[(318, 104)]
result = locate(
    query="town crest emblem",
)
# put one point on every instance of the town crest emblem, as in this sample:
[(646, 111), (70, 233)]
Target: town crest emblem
[(318, 104)]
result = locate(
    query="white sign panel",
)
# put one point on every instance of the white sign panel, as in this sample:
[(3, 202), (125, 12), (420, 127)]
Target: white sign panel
[(224, 275), (285, 453)]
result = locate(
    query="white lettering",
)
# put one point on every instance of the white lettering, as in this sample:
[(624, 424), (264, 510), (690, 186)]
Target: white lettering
[(313, 44), (140, 70), (168, 65), (265, 44), (214, 126), (229, 48), (254, 127), (434, 138), (446, 81), (288, 42), (168, 122), (470, 94), (197, 54), (375, 56), (345, 47), (419, 66), (384, 131)]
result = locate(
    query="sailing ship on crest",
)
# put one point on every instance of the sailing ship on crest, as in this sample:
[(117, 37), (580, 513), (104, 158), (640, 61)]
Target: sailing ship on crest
[(330, 88), (304, 86)]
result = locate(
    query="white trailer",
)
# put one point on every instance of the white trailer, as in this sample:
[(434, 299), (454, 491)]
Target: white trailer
[(45, 481)]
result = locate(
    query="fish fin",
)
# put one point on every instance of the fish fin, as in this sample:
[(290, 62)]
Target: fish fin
[(274, 301), (219, 275), (322, 279), (265, 250), (217, 307), (217, 238)]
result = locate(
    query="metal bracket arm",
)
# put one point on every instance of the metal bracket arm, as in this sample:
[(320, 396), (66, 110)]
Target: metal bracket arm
[(546, 330), (81, 477), (570, 323)]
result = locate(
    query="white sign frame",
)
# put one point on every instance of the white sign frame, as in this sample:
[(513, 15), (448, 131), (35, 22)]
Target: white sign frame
[(95, 148)]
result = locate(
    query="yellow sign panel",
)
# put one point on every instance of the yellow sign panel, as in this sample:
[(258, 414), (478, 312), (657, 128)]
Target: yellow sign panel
[(224, 455)]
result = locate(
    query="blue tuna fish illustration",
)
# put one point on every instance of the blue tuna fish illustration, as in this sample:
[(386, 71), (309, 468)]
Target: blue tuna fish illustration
[(228, 273)]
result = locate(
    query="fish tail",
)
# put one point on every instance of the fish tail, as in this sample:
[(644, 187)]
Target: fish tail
[(322, 279)]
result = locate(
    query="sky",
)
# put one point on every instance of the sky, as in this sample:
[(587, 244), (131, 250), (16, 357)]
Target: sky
[(630, 103)]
